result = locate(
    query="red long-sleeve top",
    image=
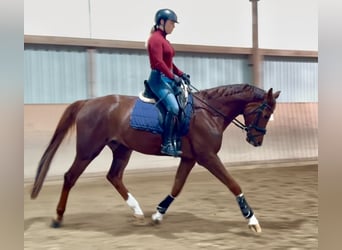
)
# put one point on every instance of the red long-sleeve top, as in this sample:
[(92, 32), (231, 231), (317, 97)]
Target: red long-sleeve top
[(161, 54)]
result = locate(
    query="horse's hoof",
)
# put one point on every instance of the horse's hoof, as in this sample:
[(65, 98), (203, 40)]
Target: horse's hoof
[(254, 225), (157, 217), (139, 220), (255, 228), (56, 223)]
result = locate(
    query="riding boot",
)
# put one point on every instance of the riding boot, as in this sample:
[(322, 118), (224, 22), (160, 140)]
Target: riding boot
[(168, 146)]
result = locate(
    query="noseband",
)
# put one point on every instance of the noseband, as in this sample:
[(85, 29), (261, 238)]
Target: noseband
[(255, 124)]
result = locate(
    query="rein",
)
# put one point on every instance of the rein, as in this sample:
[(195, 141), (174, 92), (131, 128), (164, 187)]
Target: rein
[(235, 121)]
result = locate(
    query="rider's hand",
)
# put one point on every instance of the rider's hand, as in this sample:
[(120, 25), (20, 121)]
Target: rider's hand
[(177, 80), (186, 78)]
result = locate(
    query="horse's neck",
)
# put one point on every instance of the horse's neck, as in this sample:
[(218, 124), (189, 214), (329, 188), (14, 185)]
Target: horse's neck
[(229, 106), (228, 102), (222, 109), (231, 99)]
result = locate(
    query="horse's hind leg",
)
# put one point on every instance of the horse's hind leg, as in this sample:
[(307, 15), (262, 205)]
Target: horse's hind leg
[(121, 156), (70, 178), (182, 174)]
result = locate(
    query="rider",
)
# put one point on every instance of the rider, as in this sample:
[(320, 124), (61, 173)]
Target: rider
[(164, 74)]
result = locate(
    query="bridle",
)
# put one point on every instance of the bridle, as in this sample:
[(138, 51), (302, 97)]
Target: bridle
[(254, 125)]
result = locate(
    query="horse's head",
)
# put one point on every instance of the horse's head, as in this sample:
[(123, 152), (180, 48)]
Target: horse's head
[(257, 115)]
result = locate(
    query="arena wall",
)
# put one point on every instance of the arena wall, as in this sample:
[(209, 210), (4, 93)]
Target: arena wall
[(292, 136)]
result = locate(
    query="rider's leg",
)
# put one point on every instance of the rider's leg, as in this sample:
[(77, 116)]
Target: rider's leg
[(171, 124), (160, 85)]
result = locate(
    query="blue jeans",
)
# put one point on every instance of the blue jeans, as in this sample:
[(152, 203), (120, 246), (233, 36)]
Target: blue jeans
[(161, 86)]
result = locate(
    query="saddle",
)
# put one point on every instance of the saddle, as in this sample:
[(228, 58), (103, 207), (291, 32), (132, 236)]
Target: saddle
[(147, 95), (181, 92), (148, 113)]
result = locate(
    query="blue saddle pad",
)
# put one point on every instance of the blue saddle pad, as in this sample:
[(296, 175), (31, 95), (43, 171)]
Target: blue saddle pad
[(147, 117)]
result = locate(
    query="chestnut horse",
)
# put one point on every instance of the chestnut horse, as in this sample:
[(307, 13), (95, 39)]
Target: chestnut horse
[(105, 121)]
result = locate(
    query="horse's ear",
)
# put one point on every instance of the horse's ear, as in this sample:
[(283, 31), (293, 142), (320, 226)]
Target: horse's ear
[(270, 94), (276, 94)]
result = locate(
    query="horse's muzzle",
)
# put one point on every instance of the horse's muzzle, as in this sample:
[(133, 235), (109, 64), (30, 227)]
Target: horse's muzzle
[(257, 137), (252, 140)]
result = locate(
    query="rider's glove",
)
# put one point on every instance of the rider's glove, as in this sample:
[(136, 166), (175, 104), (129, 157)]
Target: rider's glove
[(186, 78)]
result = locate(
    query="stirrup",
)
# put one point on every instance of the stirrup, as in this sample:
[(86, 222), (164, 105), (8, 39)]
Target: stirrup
[(169, 149)]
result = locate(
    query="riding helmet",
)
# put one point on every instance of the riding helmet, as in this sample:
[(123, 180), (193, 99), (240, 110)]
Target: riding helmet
[(165, 14)]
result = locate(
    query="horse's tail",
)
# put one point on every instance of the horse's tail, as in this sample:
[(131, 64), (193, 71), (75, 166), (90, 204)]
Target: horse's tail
[(66, 122)]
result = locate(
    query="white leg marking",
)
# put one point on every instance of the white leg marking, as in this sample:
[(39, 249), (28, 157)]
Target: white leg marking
[(134, 205), (254, 225)]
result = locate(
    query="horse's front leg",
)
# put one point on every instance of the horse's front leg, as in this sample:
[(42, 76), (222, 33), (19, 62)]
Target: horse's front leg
[(121, 156), (216, 167), (183, 171)]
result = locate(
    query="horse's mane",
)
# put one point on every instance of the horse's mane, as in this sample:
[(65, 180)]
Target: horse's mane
[(243, 91)]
